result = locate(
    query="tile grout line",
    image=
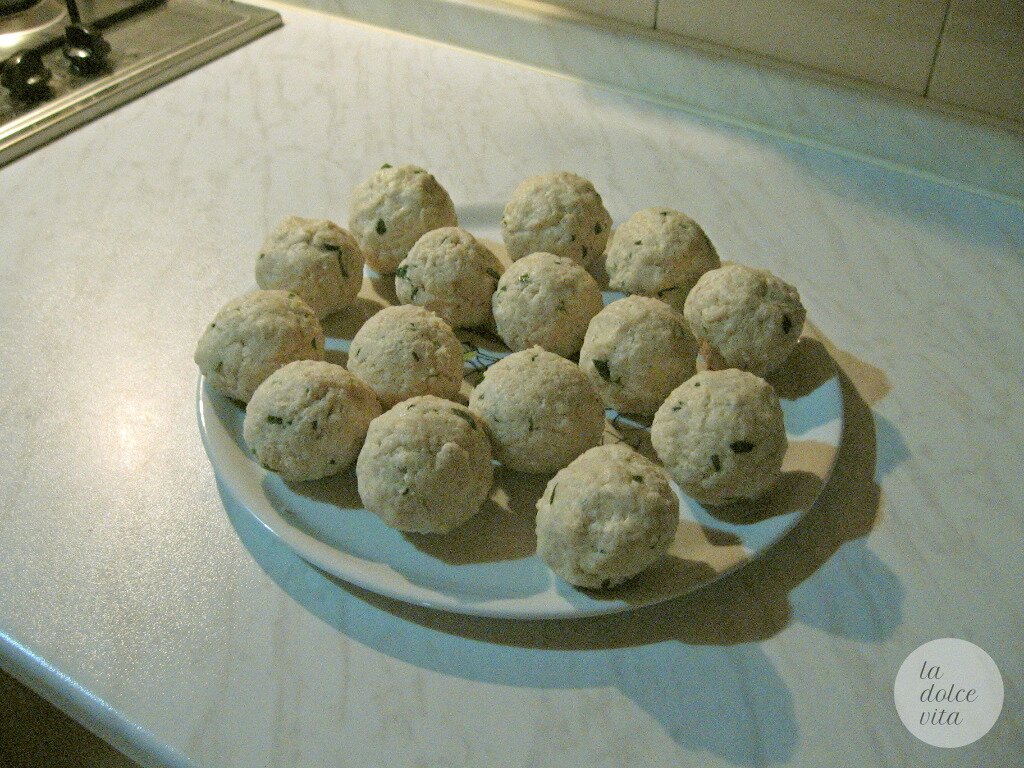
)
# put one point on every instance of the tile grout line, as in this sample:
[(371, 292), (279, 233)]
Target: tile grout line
[(938, 45), (674, 101)]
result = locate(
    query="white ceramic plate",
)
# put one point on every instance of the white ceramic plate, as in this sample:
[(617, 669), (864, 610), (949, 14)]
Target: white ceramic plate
[(488, 567)]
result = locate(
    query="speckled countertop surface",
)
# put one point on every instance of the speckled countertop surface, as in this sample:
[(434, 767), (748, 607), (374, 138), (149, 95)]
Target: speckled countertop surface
[(178, 629)]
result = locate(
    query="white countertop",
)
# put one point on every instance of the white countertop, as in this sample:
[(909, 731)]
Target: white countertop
[(181, 631)]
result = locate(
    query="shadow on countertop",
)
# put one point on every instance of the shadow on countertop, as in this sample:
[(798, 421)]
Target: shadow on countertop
[(694, 663)]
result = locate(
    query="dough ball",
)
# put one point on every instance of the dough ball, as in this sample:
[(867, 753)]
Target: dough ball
[(254, 335), (314, 258), (637, 350), (425, 466), (540, 411), (308, 419), (745, 318), (406, 351), (722, 436), (661, 253), (606, 517), (558, 213), (545, 300), (393, 209), (451, 273)]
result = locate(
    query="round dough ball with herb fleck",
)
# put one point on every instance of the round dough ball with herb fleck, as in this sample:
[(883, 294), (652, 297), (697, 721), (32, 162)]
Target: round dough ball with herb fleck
[(426, 466), (661, 253), (722, 436), (405, 351), (393, 209), (636, 351), (254, 335), (540, 411), (606, 517), (451, 273), (545, 300), (314, 258), (745, 318), (308, 419), (558, 213)]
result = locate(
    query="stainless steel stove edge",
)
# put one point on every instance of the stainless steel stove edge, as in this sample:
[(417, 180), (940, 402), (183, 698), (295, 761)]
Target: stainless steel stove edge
[(55, 118)]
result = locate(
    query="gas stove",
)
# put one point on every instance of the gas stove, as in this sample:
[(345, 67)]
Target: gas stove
[(65, 62)]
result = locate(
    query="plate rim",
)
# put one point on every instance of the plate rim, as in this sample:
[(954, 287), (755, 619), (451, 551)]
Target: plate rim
[(346, 567)]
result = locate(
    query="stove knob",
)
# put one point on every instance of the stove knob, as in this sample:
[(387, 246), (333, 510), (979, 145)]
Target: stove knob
[(25, 76), (85, 49)]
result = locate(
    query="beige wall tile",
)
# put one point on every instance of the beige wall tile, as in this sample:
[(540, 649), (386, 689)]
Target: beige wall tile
[(639, 12), (889, 42), (981, 57)]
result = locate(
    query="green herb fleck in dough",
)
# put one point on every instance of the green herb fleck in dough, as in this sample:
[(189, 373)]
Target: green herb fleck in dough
[(597, 228), (696, 383), (465, 416), (493, 273), (584, 248), (741, 446), (677, 407), (405, 491), (415, 356), (716, 462), (313, 343), (561, 305), (553, 489), (637, 242), (524, 278), (602, 368), (787, 324), (275, 420), (381, 227), (637, 479), (402, 271), (529, 420), (386, 165), (415, 290)]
